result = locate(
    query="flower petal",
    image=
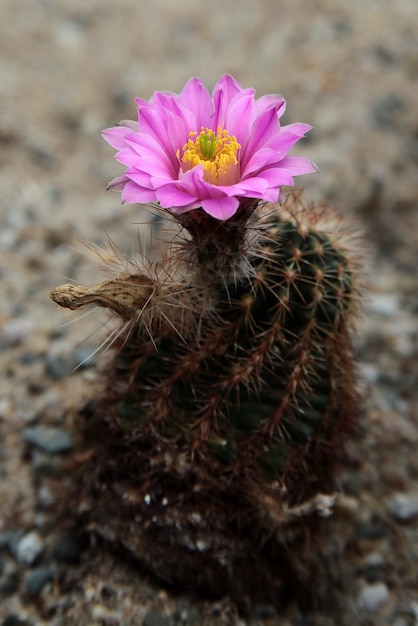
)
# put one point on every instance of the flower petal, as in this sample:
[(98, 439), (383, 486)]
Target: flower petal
[(224, 92), (166, 128), (171, 196), (258, 160), (252, 187), (298, 165), (241, 116), (118, 183), (116, 136), (271, 101), (221, 208), (265, 128), (133, 193), (196, 98)]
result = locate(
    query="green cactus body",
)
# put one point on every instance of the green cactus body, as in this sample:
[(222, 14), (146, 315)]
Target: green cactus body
[(218, 431)]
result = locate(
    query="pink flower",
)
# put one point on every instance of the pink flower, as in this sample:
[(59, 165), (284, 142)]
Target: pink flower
[(192, 150)]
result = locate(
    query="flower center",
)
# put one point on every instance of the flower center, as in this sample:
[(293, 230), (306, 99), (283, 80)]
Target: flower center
[(216, 152)]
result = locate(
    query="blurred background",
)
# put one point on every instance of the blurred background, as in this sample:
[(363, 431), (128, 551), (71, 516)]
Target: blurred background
[(70, 68)]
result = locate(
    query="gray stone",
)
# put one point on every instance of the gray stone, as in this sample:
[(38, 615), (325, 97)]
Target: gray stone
[(58, 366), (84, 356), (29, 548), (44, 464), (413, 607), (16, 331), (11, 539), (51, 440), (383, 304), (69, 548), (403, 506), (156, 619), (387, 110), (372, 596), (9, 584), (36, 579), (15, 620)]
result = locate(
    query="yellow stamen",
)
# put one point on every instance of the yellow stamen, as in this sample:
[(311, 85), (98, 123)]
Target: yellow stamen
[(216, 152)]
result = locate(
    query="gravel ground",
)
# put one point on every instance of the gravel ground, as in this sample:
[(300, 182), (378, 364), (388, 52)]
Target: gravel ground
[(69, 69)]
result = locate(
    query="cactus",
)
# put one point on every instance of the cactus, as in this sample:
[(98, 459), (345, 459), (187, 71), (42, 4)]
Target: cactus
[(213, 445), (225, 409)]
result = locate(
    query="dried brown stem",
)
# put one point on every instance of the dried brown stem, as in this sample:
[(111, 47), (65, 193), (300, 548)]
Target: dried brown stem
[(125, 295)]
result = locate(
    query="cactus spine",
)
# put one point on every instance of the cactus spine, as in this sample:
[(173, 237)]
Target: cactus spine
[(227, 403)]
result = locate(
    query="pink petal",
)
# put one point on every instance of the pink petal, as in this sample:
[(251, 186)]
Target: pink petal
[(271, 101), (193, 182), (287, 137), (259, 160), (142, 144), (265, 128), (140, 178), (171, 196), (256, 186), (130, 124), (156, 122), (277, 176), (196, 98), (224, 92), (133, 193), (298, 165), (116, 136), (118, 183), (153, 167), (221, 208), (143, 149), (173, 109), (240, 117)]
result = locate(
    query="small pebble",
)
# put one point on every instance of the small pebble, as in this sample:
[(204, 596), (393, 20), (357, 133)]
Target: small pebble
[(266, 611), (16, 331), (45, 497), (58, 366), (187, 613), (29, 548), (51, 440), (387, 110), (383, 304), (84, 357), (36, 579), (371, 531), (10, 539), (69, 548), (374, 559), (44, 464), (100, 612), (373, 574), (403, 507), (369, 372), (372, 596), (402, 621), (156, 619), (10, 584), (14, 620)]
